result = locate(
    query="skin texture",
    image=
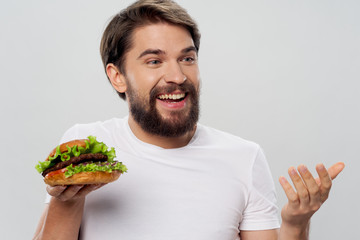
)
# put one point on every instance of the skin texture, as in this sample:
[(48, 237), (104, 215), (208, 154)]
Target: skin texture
[(161, 56), (158, 58), (61, 218)]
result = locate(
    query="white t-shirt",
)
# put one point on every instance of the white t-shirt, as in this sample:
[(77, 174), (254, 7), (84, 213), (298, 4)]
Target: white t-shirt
[(210, 189)]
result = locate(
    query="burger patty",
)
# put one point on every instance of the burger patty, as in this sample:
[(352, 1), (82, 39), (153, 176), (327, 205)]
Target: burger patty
[(96, 157)]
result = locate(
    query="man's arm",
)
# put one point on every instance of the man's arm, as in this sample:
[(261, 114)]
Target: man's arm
[(256, 235), (310, 194), (62, 217)]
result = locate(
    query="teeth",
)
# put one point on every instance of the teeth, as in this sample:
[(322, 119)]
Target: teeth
[(172, 96)]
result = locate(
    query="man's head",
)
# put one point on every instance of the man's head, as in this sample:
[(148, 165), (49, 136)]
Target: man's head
[(150, 55), (117, 39)]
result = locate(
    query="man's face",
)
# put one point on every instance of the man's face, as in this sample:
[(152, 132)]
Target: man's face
[(162, 77)]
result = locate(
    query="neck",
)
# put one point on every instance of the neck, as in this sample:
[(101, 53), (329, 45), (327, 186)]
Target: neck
[(160, 141)]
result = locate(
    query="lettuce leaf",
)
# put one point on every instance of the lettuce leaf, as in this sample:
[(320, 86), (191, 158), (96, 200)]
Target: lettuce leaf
[(92, 167), (92, 146), (42, 166)]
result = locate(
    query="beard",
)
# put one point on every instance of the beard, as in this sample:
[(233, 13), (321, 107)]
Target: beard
[(150, 120)]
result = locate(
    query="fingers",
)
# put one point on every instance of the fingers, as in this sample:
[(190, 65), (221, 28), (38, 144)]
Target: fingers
[(310, 191), (55, 191), (71, 192), (311, 186), (307, 192), (289, 191), (87, 189), (324, 180), (299, 184)]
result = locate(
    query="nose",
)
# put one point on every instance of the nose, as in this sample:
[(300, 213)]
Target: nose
[(174, 73)]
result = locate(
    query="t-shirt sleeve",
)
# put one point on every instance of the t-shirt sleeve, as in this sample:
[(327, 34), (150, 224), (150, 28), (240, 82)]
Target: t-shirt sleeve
[(261, 212)]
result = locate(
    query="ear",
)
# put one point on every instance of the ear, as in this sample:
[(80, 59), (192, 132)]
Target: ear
[(116, 78)]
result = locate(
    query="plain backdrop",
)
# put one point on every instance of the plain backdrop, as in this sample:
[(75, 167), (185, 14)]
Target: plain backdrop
[(284, 74)]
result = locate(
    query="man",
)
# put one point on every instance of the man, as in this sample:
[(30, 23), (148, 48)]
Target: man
[(185, 180)]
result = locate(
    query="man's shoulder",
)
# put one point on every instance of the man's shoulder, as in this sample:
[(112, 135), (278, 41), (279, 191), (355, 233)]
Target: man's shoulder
[(105, 124), (100, 129), (220, 137)]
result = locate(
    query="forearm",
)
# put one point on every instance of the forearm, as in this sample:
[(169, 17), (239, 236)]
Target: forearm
[(61, 220), (289, 232)]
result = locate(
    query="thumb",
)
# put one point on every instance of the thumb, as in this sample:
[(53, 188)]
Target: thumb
[(335, 169)]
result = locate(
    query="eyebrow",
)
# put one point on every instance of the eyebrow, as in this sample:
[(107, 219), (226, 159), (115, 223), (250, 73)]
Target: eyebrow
[(189, 49), (161, 52), (151, 51)]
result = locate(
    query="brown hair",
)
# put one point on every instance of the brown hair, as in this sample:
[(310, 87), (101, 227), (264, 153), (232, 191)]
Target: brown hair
[(116, 40)]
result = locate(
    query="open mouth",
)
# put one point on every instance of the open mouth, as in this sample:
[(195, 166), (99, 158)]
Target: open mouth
[(177, 97)]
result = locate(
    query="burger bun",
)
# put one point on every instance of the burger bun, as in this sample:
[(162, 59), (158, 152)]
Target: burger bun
[(97, 177)]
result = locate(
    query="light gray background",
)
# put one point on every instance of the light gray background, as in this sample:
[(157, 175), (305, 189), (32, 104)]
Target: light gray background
[(281, 73)]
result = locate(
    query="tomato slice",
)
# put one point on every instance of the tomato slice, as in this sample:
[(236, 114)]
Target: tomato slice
[(56, 172)]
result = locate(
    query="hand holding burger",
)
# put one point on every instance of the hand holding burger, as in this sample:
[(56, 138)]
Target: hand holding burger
[(81, 161)]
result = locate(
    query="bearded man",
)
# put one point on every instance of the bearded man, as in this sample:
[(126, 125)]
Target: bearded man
[(185, 180)]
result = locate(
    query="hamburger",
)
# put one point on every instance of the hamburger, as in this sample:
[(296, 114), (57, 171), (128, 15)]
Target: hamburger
[(81, 161)]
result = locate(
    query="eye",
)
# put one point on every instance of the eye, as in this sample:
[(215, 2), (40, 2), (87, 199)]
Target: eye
[(153, 62), (188, 60)]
